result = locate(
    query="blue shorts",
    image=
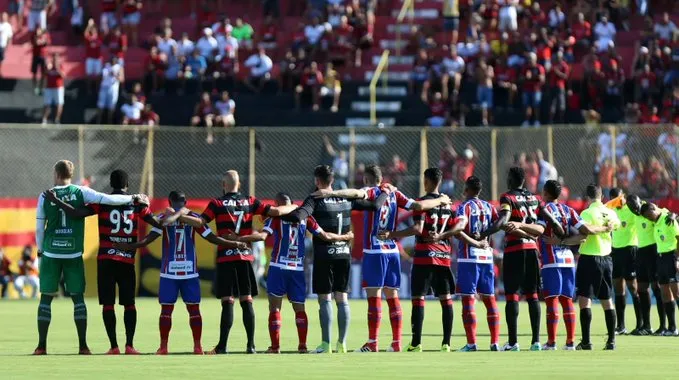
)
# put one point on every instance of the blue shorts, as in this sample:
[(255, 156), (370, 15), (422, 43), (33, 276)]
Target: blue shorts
[(451, 23), (282, 282), (484, 95), (475, 278), (558, 282), (532, 99), (381, 270), (169, 290)]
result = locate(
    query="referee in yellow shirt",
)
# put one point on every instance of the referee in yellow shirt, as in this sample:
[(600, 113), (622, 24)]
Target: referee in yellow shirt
[(594, 273), (665, 232), (624, 256)]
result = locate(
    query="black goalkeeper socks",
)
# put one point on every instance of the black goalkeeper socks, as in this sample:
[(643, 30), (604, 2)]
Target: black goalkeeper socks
[(416, 321), (109, 315), (130, 319), (249, 321), (225, 324)]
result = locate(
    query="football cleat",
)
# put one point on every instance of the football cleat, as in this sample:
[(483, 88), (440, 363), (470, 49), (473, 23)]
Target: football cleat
[(445, 348), (639, 332), (620, 331), (495, 347), (412, 348), (162, 351), (549, 347), (272, 350), (113, 351), (584, 346), (610, 346), (198, 350), (670, 333), (250, 349), (40, 351), (569, 347), (468, 348), (659, 331), (84, 351), (510, 347), (341, 348), (368, 347), (323, 348), (129, 350), (217, 351), (536, 346), (394, 347), (302, 349)]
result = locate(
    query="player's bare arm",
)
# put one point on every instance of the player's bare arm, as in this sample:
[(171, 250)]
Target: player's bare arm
[(150, 238), (300, 213), (557, 228), (502, 220), (520, 229), (586, 229), (457, 228), (482, 244), (415, 229), (331, 237), (69, 210), (428, 204), (576, 239), (217, 240), (253, 237), (368, 205), (278, 211), (344, 193)]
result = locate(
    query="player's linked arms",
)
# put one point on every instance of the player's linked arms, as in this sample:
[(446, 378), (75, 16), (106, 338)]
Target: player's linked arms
[(331, 237), (150, 238), (69, 210)]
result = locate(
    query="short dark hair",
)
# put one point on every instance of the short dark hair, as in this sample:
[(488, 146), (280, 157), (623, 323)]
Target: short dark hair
[(324, 173), (593, 191), (283, 197), (374, 172), (177, 196), (615, 192), (433, 174), (517, 175), (473, 183), (118, 179), (553, 188), (644, 208)]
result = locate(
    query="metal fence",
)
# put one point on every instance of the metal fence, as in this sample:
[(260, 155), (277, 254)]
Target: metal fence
[(640, 158)]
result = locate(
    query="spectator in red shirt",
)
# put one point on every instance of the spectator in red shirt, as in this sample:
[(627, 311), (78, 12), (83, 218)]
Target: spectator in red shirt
[(645, 84), (533, 79), (40, 41), (132, 18), (269, 33), (204, 115), (156, 64), (596, 86), (93, 56), (615, 80), (438, 110), (117, 45), (54, 92), (343, 44), (312, 80), (465, 164), (5, 273), (582, 31), (149, 117), (558, 75), (649, 115)]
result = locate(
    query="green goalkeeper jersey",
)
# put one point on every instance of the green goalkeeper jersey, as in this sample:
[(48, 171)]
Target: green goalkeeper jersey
[(63, 237)]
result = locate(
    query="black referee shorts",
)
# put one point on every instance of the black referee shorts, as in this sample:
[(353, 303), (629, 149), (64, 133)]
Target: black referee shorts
[(330, 275), (111, 273), (594, 277), (436, 277), (235, 279), (666, 268), (521, 272), (624, 262), (646, 263)]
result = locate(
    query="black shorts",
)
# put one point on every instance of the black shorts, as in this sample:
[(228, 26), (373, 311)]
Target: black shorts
[(38, 63), (624, 262), (331, 275), (521, 271), (594, 277), (436, 277), (235, 279), (2, 54), (111, 273), (666, 268), (451, 23), (646, 263)]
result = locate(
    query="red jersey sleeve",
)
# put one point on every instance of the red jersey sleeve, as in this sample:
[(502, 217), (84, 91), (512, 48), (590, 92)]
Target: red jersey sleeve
[(94, 207), (505, 203), (371, 194), (259, 208), (209, 213), (402, 201), (203, 230), (312, 226)]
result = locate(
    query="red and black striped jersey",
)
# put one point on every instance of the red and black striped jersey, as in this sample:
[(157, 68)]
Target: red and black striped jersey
[(440, 219), (233, 213), (523, 207), (119, 224)]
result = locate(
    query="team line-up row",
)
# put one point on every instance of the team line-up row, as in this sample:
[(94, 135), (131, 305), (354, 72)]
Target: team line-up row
[(537, 257)]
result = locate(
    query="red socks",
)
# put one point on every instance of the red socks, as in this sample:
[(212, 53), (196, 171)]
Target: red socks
[(196, 323), (275, 328), (493, 318), (302, 323), (469, 318), (374, 318), (165, 324), (568, 318), (396, 319), (552, 304)]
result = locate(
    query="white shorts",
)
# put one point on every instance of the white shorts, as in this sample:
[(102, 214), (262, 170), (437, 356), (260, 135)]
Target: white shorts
[(54, 96), (93, 66), (132, 19), (109, 19), (229, 119), (37, 18), (108, 98)]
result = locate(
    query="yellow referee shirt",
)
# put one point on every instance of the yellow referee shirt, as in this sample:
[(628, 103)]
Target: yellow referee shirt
[(597, 214)]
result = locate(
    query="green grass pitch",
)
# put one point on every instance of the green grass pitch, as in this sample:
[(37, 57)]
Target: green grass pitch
[(636, 357)]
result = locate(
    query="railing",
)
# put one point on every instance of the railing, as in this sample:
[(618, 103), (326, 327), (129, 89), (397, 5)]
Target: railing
[(639, 158), (408, 8), (382, 67)]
